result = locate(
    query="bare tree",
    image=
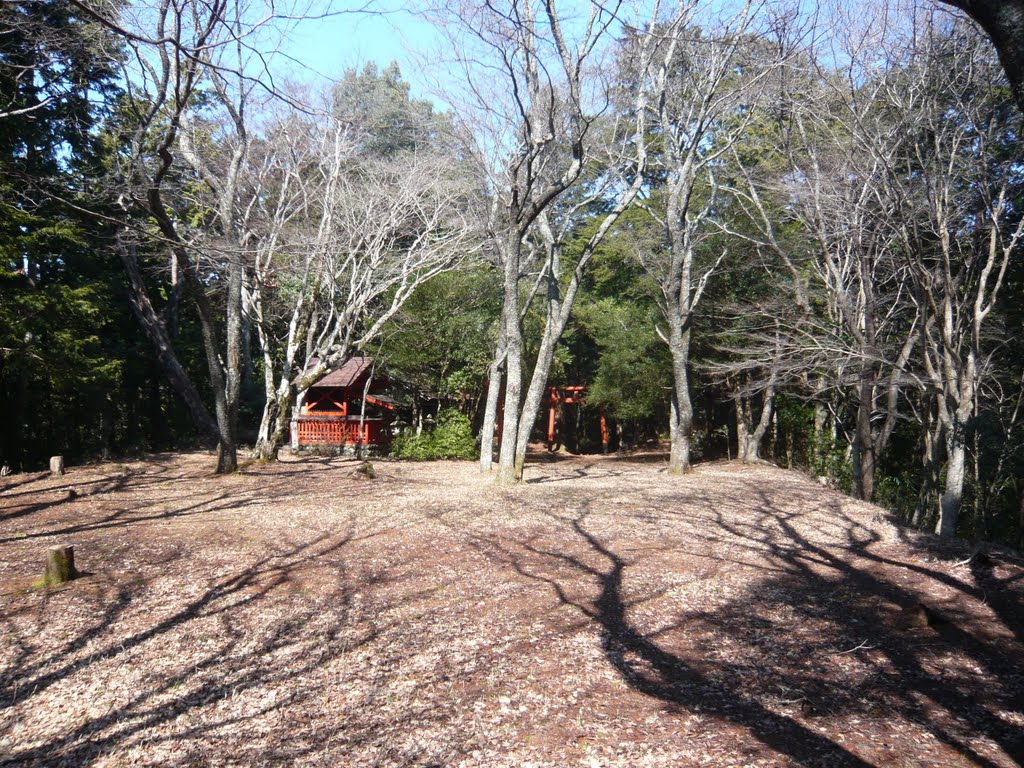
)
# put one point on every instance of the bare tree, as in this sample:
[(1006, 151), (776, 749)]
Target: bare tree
[(749, 372), (760, 344), (163, 73), (220, 250), (958, 223), (851, 328), (698, 102), (357, 237), (289, 176), (619, 163), (526, 77), (223, 242), (176, 49)]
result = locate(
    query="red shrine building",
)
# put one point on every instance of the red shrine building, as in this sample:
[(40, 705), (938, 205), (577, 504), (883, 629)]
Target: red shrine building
[(346, 410)]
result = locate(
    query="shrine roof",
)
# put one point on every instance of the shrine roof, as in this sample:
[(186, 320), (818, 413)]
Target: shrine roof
[(348, 374)]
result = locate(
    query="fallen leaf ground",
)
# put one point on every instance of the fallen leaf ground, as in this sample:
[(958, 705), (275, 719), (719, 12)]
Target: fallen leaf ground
[(601, 614)]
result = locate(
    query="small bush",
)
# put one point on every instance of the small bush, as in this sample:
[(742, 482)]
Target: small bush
[(829, 459), (898, 494), (451, 438)]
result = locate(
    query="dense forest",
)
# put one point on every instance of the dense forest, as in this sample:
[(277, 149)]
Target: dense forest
[(754, 230)]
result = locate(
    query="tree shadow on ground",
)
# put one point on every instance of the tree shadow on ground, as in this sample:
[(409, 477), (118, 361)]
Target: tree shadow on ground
[(12, 507), (583, 469), (141, 513), (820, 641), (159, 468), (298, 464), (63, 499), (984, 584), (640, 456), (258, 633), (910, 653), (19, 480), (1007, 603)]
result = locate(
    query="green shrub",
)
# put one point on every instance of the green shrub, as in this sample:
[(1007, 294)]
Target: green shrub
[(898, 494), (829, 459), (451, 438)]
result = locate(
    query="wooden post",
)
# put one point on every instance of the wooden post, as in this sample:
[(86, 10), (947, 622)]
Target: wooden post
[(604, 431), (60, 565), (56, 465), (551, 422)]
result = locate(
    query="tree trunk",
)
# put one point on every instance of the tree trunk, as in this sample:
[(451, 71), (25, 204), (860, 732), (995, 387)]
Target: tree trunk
[(558, 308), (952, 496), (680, 421), (507, 471), (361, 450), (228, 450), (1003, 21), (227, 458), (60, 565), (287, 403), (290, 395), (864, 443), (557, 319), (982, 497), (276, 419), (265, 449), (277, 410), (818, 448), (749, 448), (491, 413), (532, 403), (929, 468), (159, 337), (681, 412), (742, 427), (248, 379)]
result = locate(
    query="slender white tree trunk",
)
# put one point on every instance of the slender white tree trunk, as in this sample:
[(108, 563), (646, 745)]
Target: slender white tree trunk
[(750, 450), (681, 413), (490, 421), (952, 496), (513, 365), (742, 428)]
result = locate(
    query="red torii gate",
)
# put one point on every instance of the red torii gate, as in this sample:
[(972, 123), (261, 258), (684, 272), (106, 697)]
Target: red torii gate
[(570, 395)]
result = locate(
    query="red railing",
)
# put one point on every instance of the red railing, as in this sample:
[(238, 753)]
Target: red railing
[(339, 430)]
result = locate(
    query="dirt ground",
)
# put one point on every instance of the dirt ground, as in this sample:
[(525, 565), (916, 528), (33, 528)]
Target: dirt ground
[(601, 614)]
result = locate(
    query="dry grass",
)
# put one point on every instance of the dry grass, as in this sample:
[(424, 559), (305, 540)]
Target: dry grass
[(602, 614)]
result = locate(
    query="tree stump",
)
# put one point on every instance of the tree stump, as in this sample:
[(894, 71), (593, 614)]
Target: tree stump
[(366, 470), (56, 465), (60, 565)]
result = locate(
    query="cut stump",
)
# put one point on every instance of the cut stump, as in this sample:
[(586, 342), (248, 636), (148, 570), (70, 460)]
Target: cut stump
[(60, 565), (366, 470)]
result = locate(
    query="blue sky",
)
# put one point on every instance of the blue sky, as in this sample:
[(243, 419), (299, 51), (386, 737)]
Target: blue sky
[(329, 46)]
